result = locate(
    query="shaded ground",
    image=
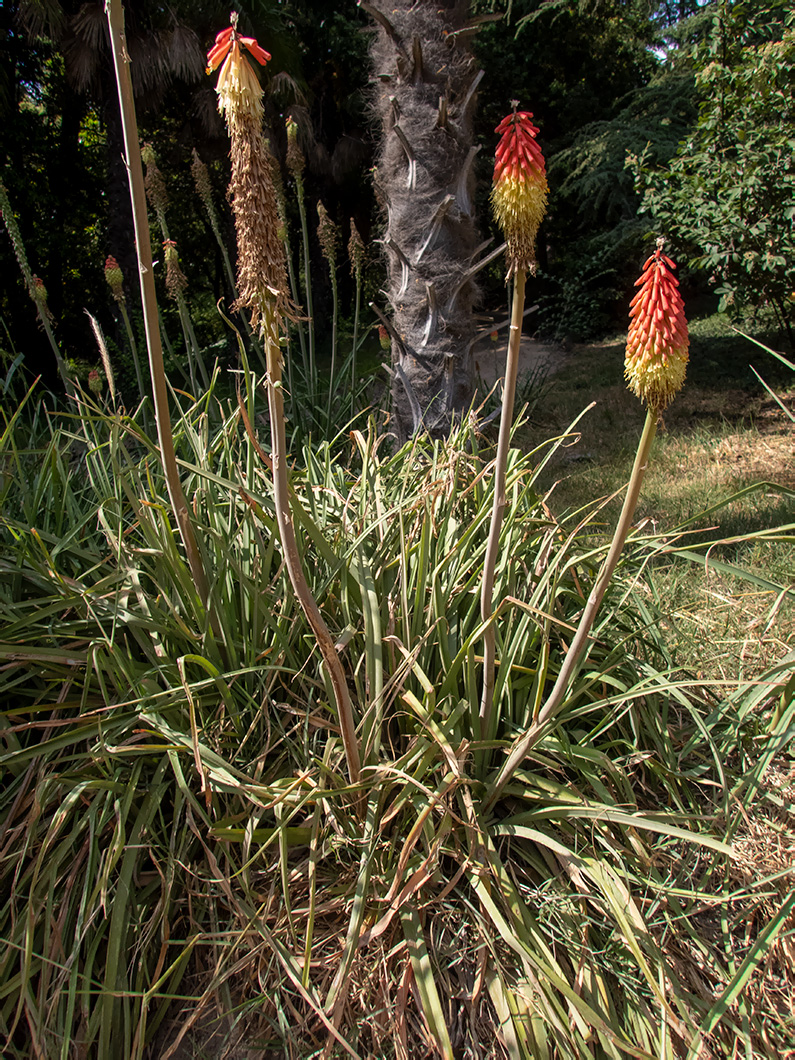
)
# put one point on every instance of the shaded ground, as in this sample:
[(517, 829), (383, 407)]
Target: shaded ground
[(723, 419), (535, 358)]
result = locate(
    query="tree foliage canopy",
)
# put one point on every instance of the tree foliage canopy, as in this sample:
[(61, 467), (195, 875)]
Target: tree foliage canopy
[(700, 93), (728, 195)]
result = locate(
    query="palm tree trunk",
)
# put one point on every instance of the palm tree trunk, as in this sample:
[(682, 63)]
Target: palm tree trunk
[(426, 81)]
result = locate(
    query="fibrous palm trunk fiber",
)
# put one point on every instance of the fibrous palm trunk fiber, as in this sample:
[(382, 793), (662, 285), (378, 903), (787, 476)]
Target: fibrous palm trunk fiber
[(425, 91)]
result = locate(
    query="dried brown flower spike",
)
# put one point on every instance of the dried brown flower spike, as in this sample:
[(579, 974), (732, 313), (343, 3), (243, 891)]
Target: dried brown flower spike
[(261, 268), (262, 282)]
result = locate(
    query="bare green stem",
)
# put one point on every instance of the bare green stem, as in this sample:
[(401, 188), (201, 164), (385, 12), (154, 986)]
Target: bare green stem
[(299, 324), (500, 504), (334, 318), (41, 309), (356, 311), (192, 348), (574, 654), (139, 376), (191, 342), (212, 215)]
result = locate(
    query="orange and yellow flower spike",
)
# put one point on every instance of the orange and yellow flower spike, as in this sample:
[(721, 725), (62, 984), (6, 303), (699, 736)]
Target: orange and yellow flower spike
[(519, 190), (657, 343)]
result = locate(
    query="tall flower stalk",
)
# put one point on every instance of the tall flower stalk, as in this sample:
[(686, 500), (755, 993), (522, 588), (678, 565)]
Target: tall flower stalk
[(176, 280), (35, 286), (262, 286), (201, 179), (296, 164), (519, 196), (655, 366), (284, 234), (328, 237), (356, 255), (165, 436), (115, 280)]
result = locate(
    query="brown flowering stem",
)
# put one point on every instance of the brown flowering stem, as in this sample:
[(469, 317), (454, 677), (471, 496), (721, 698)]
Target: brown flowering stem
[(132, 151), (139, 377), (292, 559), (176, 281), (500, 504), (202, 180), (62, 369), (296, 297), (335, 301), (578, 644)]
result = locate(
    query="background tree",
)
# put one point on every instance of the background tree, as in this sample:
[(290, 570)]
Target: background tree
[(425, 93), (728, 196)]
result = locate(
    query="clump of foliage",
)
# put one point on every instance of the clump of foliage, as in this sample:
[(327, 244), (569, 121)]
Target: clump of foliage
[(180, 839)]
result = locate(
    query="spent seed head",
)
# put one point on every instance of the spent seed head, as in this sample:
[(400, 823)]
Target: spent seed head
[(176, 280), (295, 158), (328, 235), (201, 178), (356, 251)]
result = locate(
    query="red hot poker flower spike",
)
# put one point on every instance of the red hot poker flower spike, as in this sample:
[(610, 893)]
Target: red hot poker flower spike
[(519, 191), (657, 342)]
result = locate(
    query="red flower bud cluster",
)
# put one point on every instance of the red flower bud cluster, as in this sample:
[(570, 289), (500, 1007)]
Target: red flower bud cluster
[(519, 192), (518, 153), (657, 342)]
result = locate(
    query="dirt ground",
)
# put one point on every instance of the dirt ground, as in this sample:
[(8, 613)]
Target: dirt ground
[(490, 358)]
